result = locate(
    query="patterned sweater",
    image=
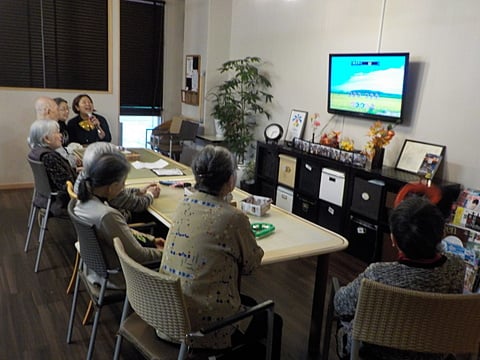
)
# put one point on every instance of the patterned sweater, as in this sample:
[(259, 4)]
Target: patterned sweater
[(209, 246), (446, 277)]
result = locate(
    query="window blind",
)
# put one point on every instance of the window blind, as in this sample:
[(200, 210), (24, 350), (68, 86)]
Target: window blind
[(141, 57), (60, 44)]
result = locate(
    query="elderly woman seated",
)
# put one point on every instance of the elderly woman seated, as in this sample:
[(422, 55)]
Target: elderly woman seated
[(209, 247), (44, 139)]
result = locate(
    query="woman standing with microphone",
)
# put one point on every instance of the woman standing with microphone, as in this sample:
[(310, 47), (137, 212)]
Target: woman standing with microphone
[(87, 127)]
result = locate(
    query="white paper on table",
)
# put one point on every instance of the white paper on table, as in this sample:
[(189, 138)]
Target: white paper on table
[(160, 163)]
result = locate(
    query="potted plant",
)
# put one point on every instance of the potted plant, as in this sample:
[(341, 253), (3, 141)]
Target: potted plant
[(238, 99), (247, 182)]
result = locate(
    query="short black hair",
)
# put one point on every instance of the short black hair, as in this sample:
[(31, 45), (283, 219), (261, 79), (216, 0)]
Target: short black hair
[(418, 227), (76, 100)]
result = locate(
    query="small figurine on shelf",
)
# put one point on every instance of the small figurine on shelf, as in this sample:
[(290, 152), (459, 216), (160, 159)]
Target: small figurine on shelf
[(315, 120)]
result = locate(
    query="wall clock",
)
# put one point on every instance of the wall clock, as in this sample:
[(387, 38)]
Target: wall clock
[(273, 133)]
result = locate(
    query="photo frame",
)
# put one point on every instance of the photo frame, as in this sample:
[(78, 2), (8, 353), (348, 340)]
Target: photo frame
[(413, 154), (296, 125)]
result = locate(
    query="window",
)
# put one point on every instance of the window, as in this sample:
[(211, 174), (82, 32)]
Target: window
[(57, 44), (141, 57)]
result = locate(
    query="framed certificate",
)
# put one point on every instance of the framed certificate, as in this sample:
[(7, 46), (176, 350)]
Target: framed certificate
[(413, 155), (296, 125)]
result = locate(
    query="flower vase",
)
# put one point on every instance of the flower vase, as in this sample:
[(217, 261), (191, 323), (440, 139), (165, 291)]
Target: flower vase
[(377, 160)]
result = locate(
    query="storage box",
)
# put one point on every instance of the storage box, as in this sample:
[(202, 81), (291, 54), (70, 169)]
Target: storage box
[(256, 205), (332, 186), (364, 240), (284, 198), (330, 216), (305, 207), (286, 170), (308, 177), (368, 198)]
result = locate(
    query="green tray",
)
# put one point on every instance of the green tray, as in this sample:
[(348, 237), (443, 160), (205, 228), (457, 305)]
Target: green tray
[(261, 229)]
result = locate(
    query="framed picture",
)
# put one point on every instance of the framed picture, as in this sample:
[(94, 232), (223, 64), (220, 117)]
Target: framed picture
[(296, 125), (413, 155)]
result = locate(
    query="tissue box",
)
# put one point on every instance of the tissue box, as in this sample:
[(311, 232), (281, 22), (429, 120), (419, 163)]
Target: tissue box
[(256, 205)]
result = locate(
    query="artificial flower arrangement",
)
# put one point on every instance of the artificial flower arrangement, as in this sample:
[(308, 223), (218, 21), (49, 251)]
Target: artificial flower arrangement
[(331, 139), (315, 120), (380, 136), (347, 144)]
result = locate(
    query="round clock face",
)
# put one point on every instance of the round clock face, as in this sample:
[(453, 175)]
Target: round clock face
[(273, 132)]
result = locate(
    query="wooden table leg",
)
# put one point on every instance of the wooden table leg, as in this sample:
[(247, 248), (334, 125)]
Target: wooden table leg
[(319, 293)]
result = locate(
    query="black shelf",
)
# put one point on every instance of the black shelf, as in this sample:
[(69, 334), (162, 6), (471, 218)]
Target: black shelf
[(374, 244)]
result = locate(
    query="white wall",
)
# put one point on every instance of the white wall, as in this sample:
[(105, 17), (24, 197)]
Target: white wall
[(296, 36), (17, 112)]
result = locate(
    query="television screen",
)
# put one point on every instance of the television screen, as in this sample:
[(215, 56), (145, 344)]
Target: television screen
[(371, 86)]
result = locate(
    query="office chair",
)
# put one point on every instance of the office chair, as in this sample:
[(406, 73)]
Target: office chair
[(91, 259), (416, 321), (158, 303), (42, 188), (171, 142)]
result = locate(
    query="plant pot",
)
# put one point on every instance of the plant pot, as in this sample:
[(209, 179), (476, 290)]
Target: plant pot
[(248, 186), (218, 129), (377, 160)]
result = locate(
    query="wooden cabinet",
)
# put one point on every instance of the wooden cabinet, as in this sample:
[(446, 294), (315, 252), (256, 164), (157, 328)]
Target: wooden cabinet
[(360, 212)]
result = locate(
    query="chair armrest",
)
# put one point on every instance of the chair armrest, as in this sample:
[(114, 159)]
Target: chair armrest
[(154, 264), (139, 226), (335, 285), (142, 225), (264, 306)]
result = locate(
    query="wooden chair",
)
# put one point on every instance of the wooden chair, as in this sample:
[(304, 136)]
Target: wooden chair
[(416, 321), (91, 258), (43, 188), (158, 303)]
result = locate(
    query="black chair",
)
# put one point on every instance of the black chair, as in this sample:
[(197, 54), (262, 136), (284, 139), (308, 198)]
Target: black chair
[(91, 259), (171, 143), (42, 188), (158, 303)]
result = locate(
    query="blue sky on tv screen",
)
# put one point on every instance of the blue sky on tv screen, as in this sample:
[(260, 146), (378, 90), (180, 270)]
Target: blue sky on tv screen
[(372, 73)]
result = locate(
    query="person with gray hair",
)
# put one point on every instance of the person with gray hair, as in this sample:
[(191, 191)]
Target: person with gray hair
[(46, 108), (130, 200), (209, 246), (44, 139)]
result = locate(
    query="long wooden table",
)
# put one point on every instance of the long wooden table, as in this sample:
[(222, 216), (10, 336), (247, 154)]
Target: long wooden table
[(294, 237)]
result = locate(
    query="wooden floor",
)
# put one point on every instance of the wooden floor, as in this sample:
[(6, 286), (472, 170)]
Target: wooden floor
[(34, 308)]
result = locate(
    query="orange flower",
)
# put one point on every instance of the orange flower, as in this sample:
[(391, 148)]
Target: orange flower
[(380, 136)]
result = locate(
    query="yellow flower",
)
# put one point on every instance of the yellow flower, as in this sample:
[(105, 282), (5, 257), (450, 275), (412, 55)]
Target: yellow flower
[(346, 144)]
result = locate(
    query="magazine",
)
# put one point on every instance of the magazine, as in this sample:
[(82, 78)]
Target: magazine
[(429, 166)]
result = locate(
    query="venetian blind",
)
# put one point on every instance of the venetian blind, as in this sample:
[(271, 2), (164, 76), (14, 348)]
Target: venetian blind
[(141, 57), (59, 44)]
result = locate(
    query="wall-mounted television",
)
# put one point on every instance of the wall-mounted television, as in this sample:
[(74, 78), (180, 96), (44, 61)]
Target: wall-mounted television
[(370, 86)]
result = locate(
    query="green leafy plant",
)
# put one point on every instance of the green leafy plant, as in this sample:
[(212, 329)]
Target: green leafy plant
[(238, 99)]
